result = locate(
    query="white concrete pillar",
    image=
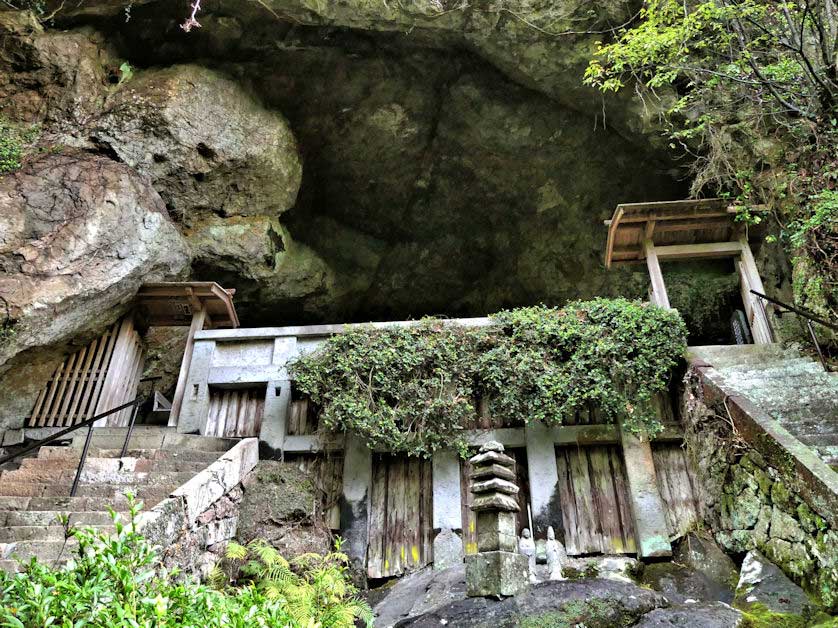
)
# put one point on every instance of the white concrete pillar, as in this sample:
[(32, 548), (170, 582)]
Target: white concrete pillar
[(355, 500), (544, 479), (448, 516)]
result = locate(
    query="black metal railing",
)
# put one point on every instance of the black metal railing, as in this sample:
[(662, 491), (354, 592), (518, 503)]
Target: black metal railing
[(90, 424), (808, 316)]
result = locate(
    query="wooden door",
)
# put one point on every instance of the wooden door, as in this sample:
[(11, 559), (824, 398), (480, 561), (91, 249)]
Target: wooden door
[(466, 498), (326, 474), (235, 412), (401, 516), (594, 498), (677, 486)]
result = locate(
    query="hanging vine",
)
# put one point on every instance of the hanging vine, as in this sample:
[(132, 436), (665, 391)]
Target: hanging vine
[(412, 389)]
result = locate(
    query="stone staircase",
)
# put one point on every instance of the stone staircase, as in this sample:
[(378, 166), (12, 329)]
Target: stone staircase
[(35, 507), (793, 389)]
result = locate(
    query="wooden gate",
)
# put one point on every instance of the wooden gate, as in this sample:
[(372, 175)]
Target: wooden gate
[(401, 516), (466, 498), (103, 375), (676, 484), (235, 412), (595, 507)]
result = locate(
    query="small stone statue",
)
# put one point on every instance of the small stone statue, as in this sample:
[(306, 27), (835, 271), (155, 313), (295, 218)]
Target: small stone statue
[(526, 546), (556, 555)]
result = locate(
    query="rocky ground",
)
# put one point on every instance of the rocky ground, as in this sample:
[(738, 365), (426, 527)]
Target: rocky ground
[(700, 588)]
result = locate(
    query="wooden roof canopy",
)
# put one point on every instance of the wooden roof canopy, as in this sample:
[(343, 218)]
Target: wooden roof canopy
[(667, 223), (173, 303)]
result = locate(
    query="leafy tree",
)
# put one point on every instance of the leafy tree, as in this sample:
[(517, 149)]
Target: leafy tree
[(756, 91)]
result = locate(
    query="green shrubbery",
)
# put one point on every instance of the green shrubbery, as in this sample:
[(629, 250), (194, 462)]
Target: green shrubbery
[(412, 389), (115, 581)]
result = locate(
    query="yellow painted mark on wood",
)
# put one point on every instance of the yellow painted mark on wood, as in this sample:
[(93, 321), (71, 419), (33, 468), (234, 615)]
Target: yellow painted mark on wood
[(404, 553), (471, 548), (414, 552)]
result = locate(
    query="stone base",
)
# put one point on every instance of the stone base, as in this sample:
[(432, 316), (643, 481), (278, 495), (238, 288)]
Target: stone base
[(496, 573), (448, 549)]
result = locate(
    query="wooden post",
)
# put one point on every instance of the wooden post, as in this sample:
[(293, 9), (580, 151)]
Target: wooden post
[(749, 276), (646, 503), (659, 296), (198, 318)]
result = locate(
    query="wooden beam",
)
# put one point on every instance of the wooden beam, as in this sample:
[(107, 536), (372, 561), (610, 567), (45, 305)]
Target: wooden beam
[(659, 295), (612, 232), (647, 505), (710, 249), (750, 280), (198, 316)]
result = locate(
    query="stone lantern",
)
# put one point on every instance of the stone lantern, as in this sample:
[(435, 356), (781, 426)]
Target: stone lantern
[(497, 569)]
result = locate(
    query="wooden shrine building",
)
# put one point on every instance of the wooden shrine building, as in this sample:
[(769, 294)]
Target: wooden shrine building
[(106, 373), (686, 230)]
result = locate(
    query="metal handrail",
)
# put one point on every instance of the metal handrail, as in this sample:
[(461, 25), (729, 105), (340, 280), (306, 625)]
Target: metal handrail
[(810, 318), (89, 423)]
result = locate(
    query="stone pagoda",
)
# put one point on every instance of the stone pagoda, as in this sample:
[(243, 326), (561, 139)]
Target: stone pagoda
[(497, 569)]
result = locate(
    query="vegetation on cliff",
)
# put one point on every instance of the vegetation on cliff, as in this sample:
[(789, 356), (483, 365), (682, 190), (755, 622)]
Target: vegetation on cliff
[(756, 112), (413, 389)]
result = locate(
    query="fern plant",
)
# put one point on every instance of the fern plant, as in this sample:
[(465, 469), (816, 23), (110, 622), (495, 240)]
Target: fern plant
[(313, 589)]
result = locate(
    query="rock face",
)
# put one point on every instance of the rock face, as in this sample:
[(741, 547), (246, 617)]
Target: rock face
[(278, 507), (710, 615), (681, 584), (53, 78), (78, 235), (762, 584), (207, 146)]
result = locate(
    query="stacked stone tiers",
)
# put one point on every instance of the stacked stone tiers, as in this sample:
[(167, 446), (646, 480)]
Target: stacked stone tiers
[(497, 569)]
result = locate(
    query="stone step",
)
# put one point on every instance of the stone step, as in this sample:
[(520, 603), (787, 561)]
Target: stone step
[(71, 453), (149, 494), (45, 551), (17, 534), (54, 518), (756, 368), (151, 440), (117, 464), (723, 356), (93, 477), (63, 503)]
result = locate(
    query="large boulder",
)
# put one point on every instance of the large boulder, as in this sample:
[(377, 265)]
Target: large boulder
[(207, 145), (594, 603), (764, 587), (681, 584), (79, 234)]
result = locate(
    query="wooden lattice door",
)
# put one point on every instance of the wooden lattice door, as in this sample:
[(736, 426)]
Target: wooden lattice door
[(401, 516), (103, 375), (235, 412)]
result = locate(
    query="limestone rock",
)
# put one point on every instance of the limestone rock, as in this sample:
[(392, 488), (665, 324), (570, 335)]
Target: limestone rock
[(492, 457), (708, 615), (78, 235), (680, 583), (703, 554), (593, 603), (205, 143), (417, 593), (493, 471), (762, 583), (54, 78)]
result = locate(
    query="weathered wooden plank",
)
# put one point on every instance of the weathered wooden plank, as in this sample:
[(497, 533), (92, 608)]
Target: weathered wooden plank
[(62, 387), (376, 552), (676, 487), (711, 249), (197, 324), (99, 372), (426, 519), (646, 503), (618, 473), (659, 295), (605, 501), (393, 564)]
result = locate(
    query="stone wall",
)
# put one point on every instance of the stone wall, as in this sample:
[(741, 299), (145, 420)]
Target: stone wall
[(754, 497), (194, 524)]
